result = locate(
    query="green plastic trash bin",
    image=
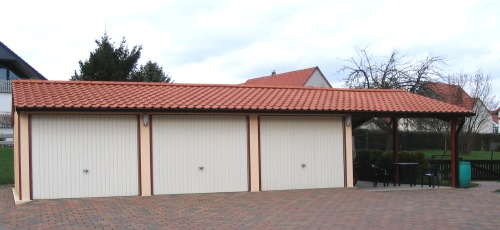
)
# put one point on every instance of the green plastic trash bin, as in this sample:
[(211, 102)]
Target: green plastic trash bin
[(464, 175)]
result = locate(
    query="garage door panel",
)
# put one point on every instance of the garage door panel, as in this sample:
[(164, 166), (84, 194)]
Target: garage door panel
[(299, 152), (199, 154), (84, 156)]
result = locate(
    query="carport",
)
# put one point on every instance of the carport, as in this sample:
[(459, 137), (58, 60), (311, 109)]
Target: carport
[(98, 139), (456, 123)]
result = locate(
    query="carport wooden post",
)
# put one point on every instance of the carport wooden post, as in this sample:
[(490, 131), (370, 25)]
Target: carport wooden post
[(395, 153), (454, 155)]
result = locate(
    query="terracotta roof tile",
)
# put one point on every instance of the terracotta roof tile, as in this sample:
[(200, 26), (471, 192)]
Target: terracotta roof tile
[(30, 94), (293, 78)]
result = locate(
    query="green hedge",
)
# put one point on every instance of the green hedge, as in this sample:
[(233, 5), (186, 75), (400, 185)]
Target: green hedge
[(368, 139), (482, 141), (6, 165), (372, 139), (366, 157)]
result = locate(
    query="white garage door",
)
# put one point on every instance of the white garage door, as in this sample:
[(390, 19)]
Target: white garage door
[(199, 154), (300, 152), (84, 156)]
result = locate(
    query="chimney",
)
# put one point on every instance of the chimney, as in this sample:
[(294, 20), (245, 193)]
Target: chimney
[(273, 73)]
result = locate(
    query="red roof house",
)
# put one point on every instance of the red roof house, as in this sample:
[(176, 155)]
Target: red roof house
[(456, 95), (312, 77), (494, 115), (452, 94)]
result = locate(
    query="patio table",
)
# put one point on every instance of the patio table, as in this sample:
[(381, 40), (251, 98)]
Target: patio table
[(411, 166)]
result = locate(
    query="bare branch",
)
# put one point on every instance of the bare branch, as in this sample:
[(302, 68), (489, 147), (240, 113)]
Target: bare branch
[(393, 72)]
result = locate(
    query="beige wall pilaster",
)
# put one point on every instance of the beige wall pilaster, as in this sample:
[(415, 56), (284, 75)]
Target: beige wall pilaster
[(253, 126), (348, 148), (145, 155)]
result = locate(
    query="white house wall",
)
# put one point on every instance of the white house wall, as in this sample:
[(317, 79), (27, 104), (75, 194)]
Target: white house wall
[(299, 152), (4, 130), (5, 102), (199, 153), (84, 156), (317, 80), (482, 120)]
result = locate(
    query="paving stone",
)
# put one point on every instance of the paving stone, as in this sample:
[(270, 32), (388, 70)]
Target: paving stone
[(338, 208)]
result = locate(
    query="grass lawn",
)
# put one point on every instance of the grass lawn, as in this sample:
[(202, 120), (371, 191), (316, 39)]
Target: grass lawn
[(6, 165), (475, 155)]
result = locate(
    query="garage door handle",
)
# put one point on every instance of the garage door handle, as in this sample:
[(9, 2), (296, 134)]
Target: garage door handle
[(86, 171), (201, 168), (303, 165)]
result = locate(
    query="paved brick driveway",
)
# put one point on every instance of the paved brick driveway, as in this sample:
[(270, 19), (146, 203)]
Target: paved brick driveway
[(343, 208)]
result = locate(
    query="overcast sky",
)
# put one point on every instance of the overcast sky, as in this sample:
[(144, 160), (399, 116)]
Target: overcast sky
[(230, 41)]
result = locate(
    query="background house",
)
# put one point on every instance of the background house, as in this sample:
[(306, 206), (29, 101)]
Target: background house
[(494, 119), (455, 95), (312, 77), (12, 67)]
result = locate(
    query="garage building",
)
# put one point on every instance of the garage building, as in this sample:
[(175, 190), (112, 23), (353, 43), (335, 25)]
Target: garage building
[(97, 139)]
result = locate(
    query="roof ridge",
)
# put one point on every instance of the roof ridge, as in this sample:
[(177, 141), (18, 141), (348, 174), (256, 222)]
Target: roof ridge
[(199, 85), (293, 71), (445, 84), (297, 70)]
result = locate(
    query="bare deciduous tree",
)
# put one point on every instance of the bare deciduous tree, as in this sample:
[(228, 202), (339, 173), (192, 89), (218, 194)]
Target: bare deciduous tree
[(397, 71), (471, 91), (481, 101), (6, 120)]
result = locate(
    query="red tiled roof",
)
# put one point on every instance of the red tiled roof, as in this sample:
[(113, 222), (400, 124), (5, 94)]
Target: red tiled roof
[(81, 95), (452, 94), (294, 78), (494, 115)]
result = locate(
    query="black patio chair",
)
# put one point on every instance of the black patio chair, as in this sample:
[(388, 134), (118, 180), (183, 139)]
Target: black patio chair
[(380, 174), (431, 175)]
